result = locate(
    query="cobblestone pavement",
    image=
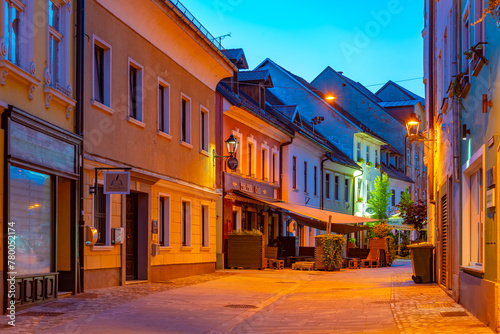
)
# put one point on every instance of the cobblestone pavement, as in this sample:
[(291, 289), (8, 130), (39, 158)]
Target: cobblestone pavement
[(418, 308), (382, 300)]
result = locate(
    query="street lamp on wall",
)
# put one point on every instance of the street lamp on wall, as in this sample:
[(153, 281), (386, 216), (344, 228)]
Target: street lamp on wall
[(412, 127), (231, 146)]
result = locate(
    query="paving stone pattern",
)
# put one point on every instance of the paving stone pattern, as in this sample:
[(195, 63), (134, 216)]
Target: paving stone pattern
[(372, 300)]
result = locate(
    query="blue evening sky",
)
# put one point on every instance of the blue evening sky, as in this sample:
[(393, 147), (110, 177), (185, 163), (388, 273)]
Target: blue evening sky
[(371, 41)]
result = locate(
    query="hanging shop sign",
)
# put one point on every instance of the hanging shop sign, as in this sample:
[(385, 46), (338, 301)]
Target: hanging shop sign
[(116, 182)]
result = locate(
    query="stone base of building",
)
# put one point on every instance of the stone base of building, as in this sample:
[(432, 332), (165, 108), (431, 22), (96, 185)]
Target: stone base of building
[(479, 297), (101, 278), (165, 272)]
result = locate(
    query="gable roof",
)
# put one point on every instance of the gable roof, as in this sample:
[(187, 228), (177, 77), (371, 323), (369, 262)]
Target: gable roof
[(404, 91), (353, 120), (243, 100), (237, 57), (393, 173), (254, 76)]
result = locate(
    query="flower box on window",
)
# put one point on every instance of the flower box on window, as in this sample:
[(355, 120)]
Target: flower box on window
[(369, 164), (360, 199), (361, 160)]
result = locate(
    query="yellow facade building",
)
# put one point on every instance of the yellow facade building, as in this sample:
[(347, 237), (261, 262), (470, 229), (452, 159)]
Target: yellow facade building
[(149, 106), (40, 151)]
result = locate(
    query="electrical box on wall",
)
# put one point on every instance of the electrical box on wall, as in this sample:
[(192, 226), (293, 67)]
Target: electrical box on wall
[(156, 249), (118, 235)]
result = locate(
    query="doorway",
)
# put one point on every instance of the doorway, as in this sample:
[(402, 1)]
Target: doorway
[(131, 242)]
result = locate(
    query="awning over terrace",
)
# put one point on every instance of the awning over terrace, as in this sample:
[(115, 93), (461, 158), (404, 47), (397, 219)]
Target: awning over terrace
[(316, 218)]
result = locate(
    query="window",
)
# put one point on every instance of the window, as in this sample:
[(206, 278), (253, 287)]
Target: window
[(337, 186), (164, 221), (204, 129), (163, 107), (102, 205), (251, 172), (275, 166), (294, 173), (55, 38), (465, 40), (347, 187), (186, 224), (408, 157), (315, 180), (368, 189), (416, 160), (101, 80), (393, 197), (13, 22), (327, 185), (305, 176), (358, 150), (360, 188), (135, 91), (204, 226), (367, 153), (376, 157), (264, 166), (185, 120), (479, 26)]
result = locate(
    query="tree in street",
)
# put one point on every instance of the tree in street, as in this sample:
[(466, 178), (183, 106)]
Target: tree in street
[(413, 214), (380, 197)]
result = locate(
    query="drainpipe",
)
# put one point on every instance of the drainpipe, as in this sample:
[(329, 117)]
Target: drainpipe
[(79, 91), (325, 158)]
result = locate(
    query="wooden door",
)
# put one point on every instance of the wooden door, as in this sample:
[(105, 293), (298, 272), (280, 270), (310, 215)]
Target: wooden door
[(131, 243)]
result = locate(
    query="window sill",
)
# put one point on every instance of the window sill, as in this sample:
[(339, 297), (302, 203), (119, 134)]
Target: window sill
[(101, 248), (186, 248), (205, 249), (164, 135), (476, 271), (183, 143), (6, 68), (205, 153), (136, 122), (102, 107), (165, 248), (58, 96), (295, 190)]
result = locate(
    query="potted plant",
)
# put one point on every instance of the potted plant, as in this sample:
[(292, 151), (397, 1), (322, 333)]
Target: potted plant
[(369, 164), (328, 251), (377, 165), (381, 240), (361, 160), (245, 249), (351, 243), (360, 199)]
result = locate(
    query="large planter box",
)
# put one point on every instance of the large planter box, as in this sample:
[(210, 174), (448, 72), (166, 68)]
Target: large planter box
[(245, 251)]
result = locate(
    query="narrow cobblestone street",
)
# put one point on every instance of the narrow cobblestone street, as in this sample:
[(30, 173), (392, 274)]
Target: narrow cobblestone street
[(382, 300)]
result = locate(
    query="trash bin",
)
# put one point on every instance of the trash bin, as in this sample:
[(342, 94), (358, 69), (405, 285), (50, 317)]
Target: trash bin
[(422, 262)]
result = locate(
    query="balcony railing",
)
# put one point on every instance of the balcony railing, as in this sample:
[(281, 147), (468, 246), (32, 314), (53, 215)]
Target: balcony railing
[(194, 22)]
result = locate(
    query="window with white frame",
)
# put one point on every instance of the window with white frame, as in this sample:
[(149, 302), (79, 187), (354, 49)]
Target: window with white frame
[(164, 220), (327, 185), (360, 189), (274, 168), (347, 189), (59, 44), (204, 129), (367, 153), (251, 156), (135, 92), (205, 242), (416, 160), (358, 151), (393, 197), (264, 162), (239, 153), (376, 157), (336, 193), (315, 180), (305, 176), (14, 21), (101, 73), (294, 172), (185, 119), (479, 21), (408, 157), (163, 107), (102, 216), (186, 223)]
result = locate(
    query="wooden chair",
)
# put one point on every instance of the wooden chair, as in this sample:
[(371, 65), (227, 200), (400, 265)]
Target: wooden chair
[(372, 260)]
